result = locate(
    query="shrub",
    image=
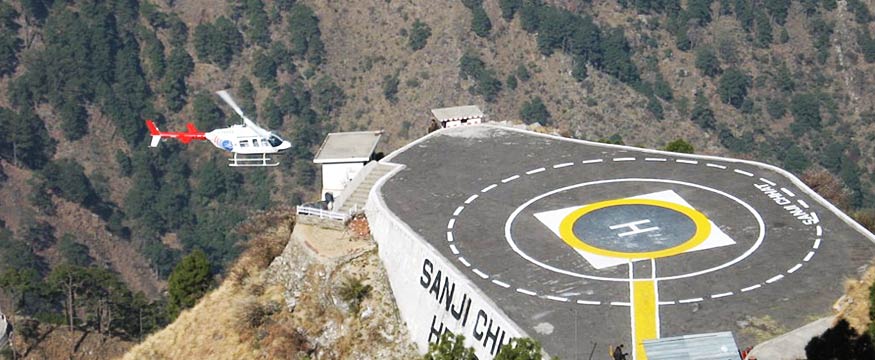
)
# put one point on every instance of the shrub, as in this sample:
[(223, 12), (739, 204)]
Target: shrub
[(390, 87), (679, 146), (829, 186), (354, 291), (534, 111), (840, 342), (707, 61), (419, 34), (480, 23), (733, 86), (776, 108)]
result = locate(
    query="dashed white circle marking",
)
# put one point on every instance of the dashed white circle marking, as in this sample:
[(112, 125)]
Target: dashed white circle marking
[(472, 198)]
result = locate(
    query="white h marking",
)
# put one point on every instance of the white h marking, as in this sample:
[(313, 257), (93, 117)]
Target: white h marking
[(634, 226)]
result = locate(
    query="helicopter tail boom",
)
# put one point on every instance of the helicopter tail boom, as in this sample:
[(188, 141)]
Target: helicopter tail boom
[(184, 137)]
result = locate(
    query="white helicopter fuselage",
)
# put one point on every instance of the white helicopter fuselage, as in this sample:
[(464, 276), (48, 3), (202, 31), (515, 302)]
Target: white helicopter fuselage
[(243, 139)]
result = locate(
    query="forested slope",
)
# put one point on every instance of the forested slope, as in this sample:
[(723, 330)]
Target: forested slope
[(780, 81)]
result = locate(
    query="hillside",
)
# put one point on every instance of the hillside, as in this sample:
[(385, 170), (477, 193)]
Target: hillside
[(294, 307), (780, 81)]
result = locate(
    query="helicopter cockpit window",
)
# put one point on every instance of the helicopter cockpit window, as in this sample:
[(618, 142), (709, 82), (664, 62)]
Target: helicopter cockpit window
[(275, 141)]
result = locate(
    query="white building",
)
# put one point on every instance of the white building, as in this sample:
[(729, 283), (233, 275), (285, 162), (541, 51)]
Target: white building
[(458, 116), (342, 156)]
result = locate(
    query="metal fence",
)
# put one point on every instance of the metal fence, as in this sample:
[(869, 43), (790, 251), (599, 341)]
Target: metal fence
[(322, 214)]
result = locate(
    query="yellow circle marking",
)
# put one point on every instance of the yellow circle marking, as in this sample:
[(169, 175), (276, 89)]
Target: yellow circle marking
[(703, 229)]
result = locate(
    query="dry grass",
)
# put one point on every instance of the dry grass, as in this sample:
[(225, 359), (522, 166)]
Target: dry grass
[(829, 186), (227, 322), (855, 303), (259, 314)]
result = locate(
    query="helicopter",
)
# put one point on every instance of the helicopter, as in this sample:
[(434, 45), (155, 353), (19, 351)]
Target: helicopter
[(250, 143)]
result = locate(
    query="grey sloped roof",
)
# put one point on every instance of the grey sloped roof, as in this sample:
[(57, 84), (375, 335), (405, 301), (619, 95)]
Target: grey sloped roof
[(348, 146), (457, 113), (712, 346)]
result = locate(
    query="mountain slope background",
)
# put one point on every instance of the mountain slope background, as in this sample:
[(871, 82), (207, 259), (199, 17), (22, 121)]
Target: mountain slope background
[(785, 82)]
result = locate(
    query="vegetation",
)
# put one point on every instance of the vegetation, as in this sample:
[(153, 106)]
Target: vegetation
[(534, 111), (390, 87), (679, 146), (354, 291), (188, 282), (419, 34), (217, 42), (840, 342), (452, 347), (485, 82), (733, 87)]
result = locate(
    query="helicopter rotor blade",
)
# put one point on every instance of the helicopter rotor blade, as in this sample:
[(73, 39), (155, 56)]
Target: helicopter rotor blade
[(230, 101), (249, 123)]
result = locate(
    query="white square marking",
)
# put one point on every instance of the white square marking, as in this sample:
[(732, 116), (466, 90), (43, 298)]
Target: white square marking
[(553, 218)]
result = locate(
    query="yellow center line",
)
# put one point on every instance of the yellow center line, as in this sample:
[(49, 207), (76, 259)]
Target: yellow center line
[(644, 315)]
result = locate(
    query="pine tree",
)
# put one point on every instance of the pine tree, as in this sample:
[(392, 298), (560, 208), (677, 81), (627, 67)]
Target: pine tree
[(188, 282)]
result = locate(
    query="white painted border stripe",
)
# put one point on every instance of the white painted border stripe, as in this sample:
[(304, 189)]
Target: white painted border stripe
[(795, 180), (742, 172), (621, 159), (809, 256), (480, 273), (464, 262), (720, 295), (557, 298), (655, 159), (767, 182), (793, 269), (501, 283), (453, 249), (490, 187), (685, 161), (593, 161), (803, 203), (665, 303), (535, 171), (774, 278), (449, 236), (589, 302), (788, 192), (749, 288), (451, 223), (562, 165), (715, 166), (458, 210), (687, 301), (512, 178), (819, 230), (527, 292), (816, 243), (471, 198)]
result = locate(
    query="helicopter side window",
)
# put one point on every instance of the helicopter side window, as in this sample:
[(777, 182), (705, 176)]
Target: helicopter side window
[(244, 143), (264, 143), (274, 141), (254, 142)]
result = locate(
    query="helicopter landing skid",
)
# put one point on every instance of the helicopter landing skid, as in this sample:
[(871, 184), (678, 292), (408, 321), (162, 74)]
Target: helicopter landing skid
[(251, 160)]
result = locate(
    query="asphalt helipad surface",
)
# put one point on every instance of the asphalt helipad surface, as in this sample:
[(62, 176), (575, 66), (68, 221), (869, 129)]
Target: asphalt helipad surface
[(585, 245)]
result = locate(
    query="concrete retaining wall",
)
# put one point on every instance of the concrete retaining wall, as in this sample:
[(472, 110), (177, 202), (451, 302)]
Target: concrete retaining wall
[(432, 295)]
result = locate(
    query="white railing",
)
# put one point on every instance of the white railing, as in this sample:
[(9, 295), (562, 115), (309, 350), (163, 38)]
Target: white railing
[(322, 214)]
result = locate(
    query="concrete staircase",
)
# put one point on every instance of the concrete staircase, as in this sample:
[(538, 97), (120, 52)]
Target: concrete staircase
[(359, 196)]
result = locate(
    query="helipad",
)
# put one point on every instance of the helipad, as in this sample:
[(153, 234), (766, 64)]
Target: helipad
[(496, 233)]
